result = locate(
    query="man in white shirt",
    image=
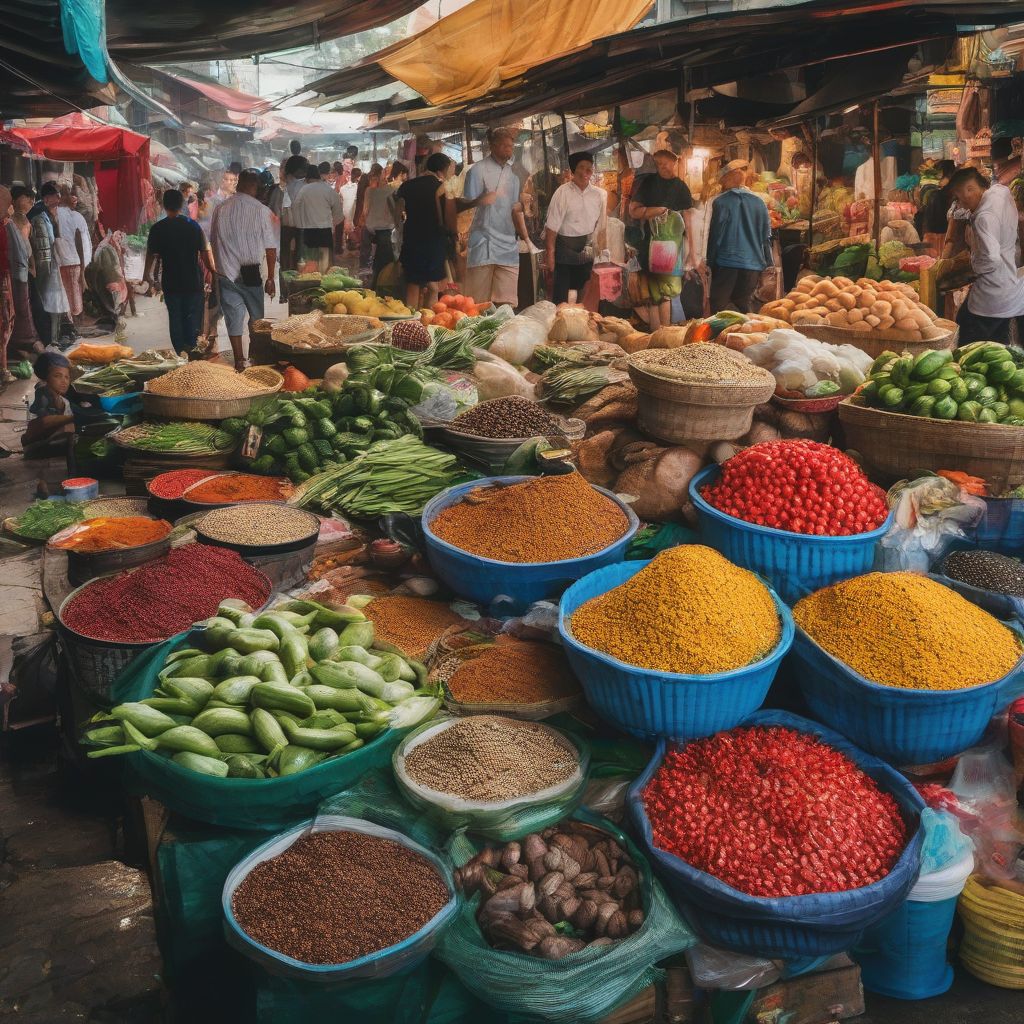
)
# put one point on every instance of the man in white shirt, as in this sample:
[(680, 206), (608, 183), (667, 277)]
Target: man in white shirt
[(997, 295), (576, 225), (316, 210), (73, 248), (295, 168), (242, 236), (348, 203)]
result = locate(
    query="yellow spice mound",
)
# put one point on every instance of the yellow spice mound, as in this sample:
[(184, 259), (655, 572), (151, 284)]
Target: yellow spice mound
[(902, 629), (690, 611)]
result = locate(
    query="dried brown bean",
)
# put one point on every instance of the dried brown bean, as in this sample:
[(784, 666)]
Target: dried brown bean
[(533, 847), (605, 882), (550, 882), (520, 871), (586, 915), (556, 947), (585, 880), (537, 869), (527, 897), (636, 919), (625, 882), (617, 926)]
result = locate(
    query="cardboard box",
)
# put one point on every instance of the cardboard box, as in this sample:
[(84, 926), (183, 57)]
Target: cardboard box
[(816, 998)]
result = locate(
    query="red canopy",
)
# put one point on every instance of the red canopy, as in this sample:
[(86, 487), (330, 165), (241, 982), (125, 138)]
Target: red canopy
[(78, 138)]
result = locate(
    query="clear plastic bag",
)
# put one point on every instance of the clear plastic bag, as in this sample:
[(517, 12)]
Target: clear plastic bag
[(500, 821), (713, 968), (944, 843), (381, 964)]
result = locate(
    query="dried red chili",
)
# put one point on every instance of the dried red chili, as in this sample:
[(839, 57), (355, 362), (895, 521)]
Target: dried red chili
[(774, 812), (173, 483), (164, 596)]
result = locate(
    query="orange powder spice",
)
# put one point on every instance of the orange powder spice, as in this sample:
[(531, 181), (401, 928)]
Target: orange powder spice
[(411, 624), (514, 672), (546, 519)]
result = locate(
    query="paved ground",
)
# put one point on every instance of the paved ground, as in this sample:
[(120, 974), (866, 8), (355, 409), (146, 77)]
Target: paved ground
[(77, 941)]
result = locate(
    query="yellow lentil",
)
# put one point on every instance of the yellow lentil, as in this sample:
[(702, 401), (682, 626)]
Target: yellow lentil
[(904, 630), (690, 611)]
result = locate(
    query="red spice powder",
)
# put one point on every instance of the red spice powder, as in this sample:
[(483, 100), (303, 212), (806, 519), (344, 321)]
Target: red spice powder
[(164, 596)]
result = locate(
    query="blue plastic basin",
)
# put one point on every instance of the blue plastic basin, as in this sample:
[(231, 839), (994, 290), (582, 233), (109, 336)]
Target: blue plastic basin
[(652, 704), (485, 579), (795, 564), (787, 927)]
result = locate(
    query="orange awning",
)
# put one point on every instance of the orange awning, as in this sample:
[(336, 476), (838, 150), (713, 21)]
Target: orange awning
[(477, 49)]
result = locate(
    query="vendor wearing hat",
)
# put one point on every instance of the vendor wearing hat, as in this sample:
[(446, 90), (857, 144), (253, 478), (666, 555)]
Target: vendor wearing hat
[(655, 196), (53, 423), (739, 240)]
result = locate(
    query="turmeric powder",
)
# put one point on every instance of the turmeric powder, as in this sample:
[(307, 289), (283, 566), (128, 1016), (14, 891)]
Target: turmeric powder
[(690, 611), (905, 630)]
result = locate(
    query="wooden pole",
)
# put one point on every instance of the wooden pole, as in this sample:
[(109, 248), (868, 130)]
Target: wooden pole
[(542, 214), (565, 138), (468, 143), (814, 181), (877, 167)]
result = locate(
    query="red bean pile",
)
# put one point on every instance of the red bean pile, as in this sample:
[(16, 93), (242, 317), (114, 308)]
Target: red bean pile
[(164, 596), (774, 812), (800, 486), (332, 897)]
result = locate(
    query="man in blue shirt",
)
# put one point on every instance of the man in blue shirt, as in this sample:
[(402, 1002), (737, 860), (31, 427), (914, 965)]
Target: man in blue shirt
[(492, 188), (738, 241)]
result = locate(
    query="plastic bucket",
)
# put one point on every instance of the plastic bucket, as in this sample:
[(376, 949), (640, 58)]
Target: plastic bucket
[(485, 579), (904, 956), (652, 704), (795, 564), (384, 963), (789, 927), (902, 726)]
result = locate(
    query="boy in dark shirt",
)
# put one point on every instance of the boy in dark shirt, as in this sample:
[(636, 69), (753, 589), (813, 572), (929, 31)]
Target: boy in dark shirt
[(53, 423), (180, 244)]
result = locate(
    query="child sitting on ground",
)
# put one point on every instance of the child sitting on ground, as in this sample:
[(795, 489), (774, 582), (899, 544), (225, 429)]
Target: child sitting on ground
[(52, 429)]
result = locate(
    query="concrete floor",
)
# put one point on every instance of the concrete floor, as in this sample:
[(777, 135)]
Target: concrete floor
[(77, 940)]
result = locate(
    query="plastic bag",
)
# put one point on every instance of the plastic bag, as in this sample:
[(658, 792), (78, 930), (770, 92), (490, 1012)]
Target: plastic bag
[(581, 987), (496, 378), (499, 821), (381, 964), (442, 401), (543, 312), (931, 514), (944, 843), (713, 968), (517, 338)]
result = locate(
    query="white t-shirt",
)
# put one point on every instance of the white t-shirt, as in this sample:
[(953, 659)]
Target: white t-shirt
[(998, 291), (348, 198), (69, 222)]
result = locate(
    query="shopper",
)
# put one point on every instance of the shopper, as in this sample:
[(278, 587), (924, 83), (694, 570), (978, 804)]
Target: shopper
[(739, 240), (49, 285), (295, 169), (106, 286), (428, 220), (52, 426), (19, 255), (190, 200), (379, 220), (654, 197), (576, 225), (179, 244), (492, 189), (349, 193), (933, 219), (1007, 167), (6, 288), (243, 237), (373, 179), (997, 295), (74, 251), (315, 212)]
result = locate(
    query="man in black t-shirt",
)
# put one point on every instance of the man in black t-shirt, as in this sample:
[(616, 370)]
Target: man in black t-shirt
[(179, 243)]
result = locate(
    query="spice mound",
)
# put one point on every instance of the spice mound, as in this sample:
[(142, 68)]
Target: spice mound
[(545, 519), (702, 363), (239, 487), (548, 885), (174, 483), (411, 624), (904, 630), (164, 596), (488, 759), (257, 525), (689, 611), (204, 380), (799, 486), (332, 897), (508, 417), (105, 533), (774, 812), (987, 571), (518, 672)]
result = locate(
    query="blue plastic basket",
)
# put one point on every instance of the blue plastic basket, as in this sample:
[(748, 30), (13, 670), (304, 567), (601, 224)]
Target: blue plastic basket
[(795, 564), (122, 404), (652, 704), (789, 927), (485, 579), (903, 726)]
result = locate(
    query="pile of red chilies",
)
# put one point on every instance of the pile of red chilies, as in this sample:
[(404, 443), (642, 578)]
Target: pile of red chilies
[(774, 812)]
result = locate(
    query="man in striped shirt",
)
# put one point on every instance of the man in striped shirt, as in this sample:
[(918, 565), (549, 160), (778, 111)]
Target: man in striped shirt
[(242, 235)]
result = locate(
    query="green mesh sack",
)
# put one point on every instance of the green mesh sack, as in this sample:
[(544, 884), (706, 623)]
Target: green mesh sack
[(236, 803), (581, 987)]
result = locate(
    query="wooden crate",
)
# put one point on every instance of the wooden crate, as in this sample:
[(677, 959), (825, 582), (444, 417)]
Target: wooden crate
[(817, 998)]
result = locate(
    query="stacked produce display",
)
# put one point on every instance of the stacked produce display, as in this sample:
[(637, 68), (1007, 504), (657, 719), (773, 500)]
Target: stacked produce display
[(443, 727)]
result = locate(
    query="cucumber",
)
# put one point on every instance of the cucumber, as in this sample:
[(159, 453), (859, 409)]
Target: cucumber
[(1001, 372), (958, 390), (927, 364), (923, 406)]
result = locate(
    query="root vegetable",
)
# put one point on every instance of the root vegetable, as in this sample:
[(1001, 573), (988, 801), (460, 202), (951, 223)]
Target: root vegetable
[(550, 908), (586, 915), (520, 871), (605, 913), (636, 919), (625, 882), (533, 847), (510, 855), (537, 869), (617, 926), (601, 864), (585, 880), (527, 897), (550, 882), (558, 947), (606, 882)]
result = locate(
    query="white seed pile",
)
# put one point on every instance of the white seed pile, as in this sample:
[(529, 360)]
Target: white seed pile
[(257, 524)]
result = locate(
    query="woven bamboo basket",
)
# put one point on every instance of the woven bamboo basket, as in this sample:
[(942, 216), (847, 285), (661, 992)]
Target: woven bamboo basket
[(874, 343), (678, 411), (319, 333), (211, 409), (895, 446)]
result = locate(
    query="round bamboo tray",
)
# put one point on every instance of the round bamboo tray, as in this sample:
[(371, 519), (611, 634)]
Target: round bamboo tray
[(895, 446), (809, 405), (211, 409), (874, 343), (679, 411)]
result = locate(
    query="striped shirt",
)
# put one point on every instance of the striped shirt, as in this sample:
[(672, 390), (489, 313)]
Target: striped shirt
[(241, 232)]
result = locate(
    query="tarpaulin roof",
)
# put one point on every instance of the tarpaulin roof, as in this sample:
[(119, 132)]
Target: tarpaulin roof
[(187, 30), (229, 99), (487, 42)]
